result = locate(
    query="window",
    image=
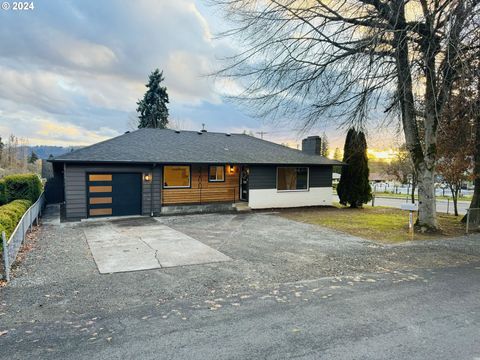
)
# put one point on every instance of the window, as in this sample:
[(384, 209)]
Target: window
[(100, 177), (216, 173), (96, 189), (176, 176), (292, 178)]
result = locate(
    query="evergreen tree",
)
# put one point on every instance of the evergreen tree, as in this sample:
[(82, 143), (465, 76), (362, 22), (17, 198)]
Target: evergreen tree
[(354, 188), (32, 158), (2, 146), (324, 145), (152, 109)]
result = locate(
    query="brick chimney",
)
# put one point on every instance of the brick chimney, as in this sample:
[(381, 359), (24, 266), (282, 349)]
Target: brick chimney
[(312, 145)]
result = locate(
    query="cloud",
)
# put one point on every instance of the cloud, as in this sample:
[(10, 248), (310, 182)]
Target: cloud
[(86, 55), (183, 67), (84, 65), (34, 89), (70, 134)]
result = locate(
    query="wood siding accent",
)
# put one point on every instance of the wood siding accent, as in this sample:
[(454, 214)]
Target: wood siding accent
[(100, 189), (203, 191), (75, 179), (97, 212), (100, 177), (100, 200)]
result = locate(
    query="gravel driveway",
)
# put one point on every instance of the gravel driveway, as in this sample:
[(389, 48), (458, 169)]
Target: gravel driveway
[(59, 306)]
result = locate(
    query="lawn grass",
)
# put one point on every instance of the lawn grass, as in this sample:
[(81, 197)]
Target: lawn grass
[(387, 225)]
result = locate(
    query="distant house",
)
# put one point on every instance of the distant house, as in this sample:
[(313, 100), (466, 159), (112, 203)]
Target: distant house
[(379, 177), (155, 171)]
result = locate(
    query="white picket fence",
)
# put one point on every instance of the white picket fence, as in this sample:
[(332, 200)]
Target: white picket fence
[(12, 245)]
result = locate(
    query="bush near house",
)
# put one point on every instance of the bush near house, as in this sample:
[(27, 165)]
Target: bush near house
[(10, 215), (3, 197), (22, 187)]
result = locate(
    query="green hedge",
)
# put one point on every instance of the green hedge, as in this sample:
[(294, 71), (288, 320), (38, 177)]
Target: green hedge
[(22, 186), (3, 197), (11, 213)]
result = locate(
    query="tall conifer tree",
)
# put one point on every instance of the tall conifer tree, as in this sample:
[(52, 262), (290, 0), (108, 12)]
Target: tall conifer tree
[(152, 109), (354, 188)]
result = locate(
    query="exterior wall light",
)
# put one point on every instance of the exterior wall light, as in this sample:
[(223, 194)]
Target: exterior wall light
[(231, 169), (147, 177)]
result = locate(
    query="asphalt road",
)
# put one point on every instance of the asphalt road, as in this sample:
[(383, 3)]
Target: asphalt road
[(442, 205), (414, 315)]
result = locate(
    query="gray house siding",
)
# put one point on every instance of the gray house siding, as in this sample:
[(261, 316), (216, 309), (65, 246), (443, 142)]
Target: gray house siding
[(262, 177), (321, 176), (265, 176), (75, 177)]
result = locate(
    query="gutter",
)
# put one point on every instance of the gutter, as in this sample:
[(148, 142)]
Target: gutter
[(130, 162), (151, 191)]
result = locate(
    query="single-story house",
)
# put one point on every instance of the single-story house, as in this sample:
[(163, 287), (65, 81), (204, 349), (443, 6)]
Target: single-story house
[(152, 171)]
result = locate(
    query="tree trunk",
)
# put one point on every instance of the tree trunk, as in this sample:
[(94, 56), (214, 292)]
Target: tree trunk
[(475, 204), (454, 190), (424, 162), (413, 192), (455, 205), (427, 219)]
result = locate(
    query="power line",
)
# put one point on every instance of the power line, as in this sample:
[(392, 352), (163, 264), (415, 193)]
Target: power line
[(262, 133)]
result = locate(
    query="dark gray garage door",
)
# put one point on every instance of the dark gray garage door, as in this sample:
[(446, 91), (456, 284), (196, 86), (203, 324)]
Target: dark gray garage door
[(114, 194)]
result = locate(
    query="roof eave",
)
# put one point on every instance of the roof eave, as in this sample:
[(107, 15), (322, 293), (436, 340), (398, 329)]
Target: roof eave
[(78, 161)]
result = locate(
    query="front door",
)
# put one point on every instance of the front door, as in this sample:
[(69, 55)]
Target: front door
[(244, 175)]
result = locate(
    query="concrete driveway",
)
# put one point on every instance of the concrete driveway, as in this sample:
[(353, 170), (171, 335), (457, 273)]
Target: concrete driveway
[(143, 243)]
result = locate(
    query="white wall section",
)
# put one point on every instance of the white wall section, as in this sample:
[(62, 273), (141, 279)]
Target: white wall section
[(271, 198)]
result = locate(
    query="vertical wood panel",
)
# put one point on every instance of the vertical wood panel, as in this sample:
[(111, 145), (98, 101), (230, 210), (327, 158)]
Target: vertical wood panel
[(203, 191)]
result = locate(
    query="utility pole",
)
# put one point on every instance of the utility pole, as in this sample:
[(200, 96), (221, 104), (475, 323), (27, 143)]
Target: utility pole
[(261, 134)]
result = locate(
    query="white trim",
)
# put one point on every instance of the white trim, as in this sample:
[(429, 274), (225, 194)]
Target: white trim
[(271, 198), (216, 180), (293, 167)]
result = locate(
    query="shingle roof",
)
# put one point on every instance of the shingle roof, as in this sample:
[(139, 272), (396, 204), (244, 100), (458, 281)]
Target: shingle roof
[(170, 146)]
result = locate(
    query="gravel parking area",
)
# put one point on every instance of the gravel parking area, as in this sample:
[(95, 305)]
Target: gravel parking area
[(58, 287), (265, 249)]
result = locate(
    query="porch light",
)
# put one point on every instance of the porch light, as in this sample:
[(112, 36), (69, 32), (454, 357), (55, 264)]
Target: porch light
[(231, 169), (147, 177)]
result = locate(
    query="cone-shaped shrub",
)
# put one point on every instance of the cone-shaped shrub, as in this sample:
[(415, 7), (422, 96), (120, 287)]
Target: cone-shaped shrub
[(354, 188)]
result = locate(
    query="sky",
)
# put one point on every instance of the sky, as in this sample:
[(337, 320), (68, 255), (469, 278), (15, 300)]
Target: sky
[(71, 72)]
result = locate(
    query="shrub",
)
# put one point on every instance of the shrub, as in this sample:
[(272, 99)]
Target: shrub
[(3, 198), (22, 186), (11, 213)]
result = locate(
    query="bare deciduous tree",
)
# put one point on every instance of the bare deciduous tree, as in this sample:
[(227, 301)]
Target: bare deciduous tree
[(401, 169), (319, 59)]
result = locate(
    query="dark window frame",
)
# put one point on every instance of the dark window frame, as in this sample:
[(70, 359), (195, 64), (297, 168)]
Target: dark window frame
[(177, 187)]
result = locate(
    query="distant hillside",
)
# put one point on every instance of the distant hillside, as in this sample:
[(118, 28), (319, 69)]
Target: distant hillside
[(44, 151)]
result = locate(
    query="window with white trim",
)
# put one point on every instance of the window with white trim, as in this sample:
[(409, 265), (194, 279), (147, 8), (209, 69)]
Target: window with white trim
[(216, 173)]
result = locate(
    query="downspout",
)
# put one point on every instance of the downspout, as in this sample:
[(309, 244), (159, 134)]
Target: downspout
[(151, 191), (64, 186)]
